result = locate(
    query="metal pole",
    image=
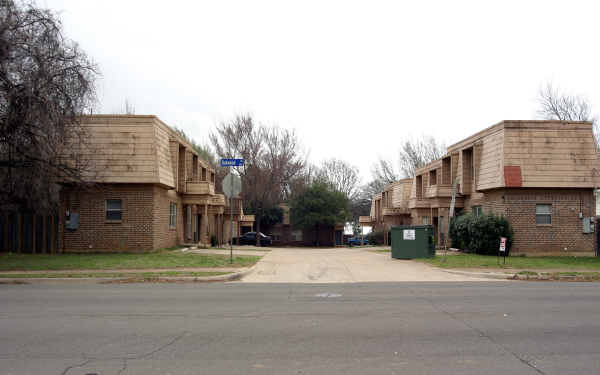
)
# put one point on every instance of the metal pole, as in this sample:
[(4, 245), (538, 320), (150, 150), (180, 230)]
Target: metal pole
[(230, 230)]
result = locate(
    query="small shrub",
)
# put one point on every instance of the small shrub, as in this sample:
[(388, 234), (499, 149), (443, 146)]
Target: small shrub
[(481, 234), (213, 240), (375, 238)]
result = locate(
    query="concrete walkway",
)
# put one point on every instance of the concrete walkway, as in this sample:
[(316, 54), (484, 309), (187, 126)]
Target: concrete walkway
[(342, 265), (226, 252)]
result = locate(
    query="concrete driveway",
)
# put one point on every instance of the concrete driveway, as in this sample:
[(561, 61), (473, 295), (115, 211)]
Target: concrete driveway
[(342, 265)]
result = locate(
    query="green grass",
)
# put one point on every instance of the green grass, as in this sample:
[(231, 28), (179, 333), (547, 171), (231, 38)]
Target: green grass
[(539, 262), (116, 261), (137, 275)]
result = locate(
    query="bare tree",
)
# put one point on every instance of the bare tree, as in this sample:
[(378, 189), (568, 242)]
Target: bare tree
[(384, 172), (556, 105), (46, 83), (416, 153), (340, 175), (273, 159)]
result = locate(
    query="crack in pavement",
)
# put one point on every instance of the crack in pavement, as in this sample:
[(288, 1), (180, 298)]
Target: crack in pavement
[(124, 366), (89, 360), (69, 368), (181, 335), (481, 333)]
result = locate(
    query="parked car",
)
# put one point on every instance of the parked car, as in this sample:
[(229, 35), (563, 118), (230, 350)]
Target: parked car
[(250, 239), (357, 241)]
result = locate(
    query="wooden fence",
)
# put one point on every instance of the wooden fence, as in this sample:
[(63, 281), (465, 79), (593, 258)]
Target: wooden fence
[(28, 233)]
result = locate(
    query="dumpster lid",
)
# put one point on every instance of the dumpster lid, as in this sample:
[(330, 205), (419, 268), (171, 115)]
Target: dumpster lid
[(413, 227)]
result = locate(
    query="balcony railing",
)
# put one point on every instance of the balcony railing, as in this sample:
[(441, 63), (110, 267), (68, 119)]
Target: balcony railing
[(195, 186), (218, 200), (396, 211), (248, 218), (366, 220), (435, 191), (237, 206)]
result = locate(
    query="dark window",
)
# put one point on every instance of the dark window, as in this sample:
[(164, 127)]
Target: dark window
[(477, 211), (114, 209), (543, 214)]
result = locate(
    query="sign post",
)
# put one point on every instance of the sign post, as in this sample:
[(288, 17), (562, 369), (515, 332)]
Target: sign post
[(502, 249), (232, 187)]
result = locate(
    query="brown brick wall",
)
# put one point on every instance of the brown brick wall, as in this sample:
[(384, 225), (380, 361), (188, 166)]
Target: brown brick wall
[(163, 235), (133, 233), (565, 232)]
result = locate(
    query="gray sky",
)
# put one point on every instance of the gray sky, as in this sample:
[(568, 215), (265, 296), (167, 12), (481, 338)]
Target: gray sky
[(353, 78)]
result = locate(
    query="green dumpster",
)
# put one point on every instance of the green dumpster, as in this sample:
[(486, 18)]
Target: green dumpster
[(412, 241)]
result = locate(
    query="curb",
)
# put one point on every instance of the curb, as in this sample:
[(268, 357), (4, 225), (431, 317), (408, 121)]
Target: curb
[(486, 275), (104, 280), (517, 276)]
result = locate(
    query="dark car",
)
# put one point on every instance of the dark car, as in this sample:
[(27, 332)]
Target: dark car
[(357, 241), (250, 239)]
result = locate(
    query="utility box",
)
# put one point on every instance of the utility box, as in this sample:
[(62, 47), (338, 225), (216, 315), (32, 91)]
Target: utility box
[(412, 241)]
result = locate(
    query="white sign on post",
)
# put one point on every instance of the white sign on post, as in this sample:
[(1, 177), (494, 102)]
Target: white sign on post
[(408, 234), (502, 244)]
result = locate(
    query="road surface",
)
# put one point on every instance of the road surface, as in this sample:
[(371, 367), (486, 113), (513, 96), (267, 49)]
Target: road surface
[(508, 327)]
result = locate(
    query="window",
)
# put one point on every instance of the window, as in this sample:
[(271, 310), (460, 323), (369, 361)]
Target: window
[(433, 177), (543, 214), (173, 215), (297, 235), (477, 211), (425, 220), (114, 209)]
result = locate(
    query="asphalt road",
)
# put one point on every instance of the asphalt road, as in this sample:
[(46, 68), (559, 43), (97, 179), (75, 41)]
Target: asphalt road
[(236, 328)]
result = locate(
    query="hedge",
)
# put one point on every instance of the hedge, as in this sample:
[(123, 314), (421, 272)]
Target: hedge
[(480, 234)]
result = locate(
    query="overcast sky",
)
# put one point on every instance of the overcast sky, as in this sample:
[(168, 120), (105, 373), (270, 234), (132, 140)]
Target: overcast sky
[(353, 78)]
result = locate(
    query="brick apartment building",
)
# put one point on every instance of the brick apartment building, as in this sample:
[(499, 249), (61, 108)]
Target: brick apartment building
[(284, 234), (541, 175), (152, 191)]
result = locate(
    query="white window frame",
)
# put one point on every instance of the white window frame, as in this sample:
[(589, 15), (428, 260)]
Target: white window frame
[(172, 215), (541, 210), (119, 210), (477, 210)]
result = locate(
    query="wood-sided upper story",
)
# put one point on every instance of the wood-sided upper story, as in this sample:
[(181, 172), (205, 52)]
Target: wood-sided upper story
[(393, 200), (143, 149), (535, 154)]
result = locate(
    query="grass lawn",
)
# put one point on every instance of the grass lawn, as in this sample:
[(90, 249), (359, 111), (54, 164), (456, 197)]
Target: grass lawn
[(158, 259), (137, 275), (533, 262)]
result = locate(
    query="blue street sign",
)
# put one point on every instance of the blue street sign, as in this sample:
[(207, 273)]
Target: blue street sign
[(232, 162)]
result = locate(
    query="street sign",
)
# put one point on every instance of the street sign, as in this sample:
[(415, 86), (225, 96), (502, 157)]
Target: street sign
[(502, 244), (232, 185), (232, 162), (502, 249)]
